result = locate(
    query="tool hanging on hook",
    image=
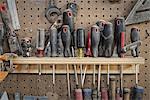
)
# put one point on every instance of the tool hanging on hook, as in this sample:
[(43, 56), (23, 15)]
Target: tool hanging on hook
[(52, 12)]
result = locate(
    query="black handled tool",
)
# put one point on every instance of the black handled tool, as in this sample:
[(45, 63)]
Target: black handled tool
[(68, 19), (80, 45), (119, 34), (101, 25), (95, 39), (73, 7), (108, 39), (66, 40), (135, 36)]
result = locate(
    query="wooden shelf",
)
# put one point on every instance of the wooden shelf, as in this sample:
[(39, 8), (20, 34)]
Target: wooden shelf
[(58, 60), (31, 64)]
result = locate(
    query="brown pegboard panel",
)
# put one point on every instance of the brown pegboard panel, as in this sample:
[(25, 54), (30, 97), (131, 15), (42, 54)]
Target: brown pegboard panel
[(31, 16)]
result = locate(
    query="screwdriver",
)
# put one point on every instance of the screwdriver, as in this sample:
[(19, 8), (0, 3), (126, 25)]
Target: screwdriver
[(66, 40), (53, 42), (80, 45), (40, 43), (138, 91), (120, 42)]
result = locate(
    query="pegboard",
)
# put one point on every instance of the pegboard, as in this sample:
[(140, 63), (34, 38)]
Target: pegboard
[(32, 16)]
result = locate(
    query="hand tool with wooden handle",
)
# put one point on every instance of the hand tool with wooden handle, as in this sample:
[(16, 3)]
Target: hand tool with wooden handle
[(66, 40), (112, 88), (95, 39), (126, 94)]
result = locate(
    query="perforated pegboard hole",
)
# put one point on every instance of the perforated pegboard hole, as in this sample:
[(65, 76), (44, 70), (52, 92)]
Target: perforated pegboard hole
[(132, 2)]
